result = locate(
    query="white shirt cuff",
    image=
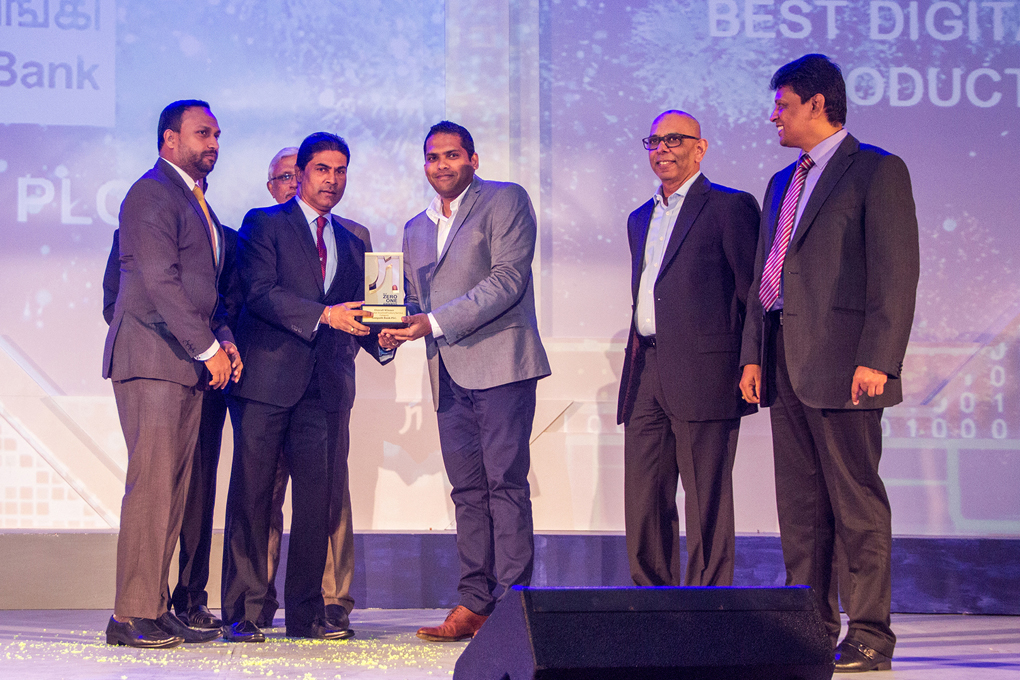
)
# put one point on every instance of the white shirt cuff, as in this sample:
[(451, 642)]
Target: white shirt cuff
[(437, 332), (209, 353)]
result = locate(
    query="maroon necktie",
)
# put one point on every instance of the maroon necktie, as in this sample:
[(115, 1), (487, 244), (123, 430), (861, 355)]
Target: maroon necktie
[(772, 274), (320, 244)]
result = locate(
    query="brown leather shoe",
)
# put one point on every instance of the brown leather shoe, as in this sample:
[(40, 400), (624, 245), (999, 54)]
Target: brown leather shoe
[(460, 624)]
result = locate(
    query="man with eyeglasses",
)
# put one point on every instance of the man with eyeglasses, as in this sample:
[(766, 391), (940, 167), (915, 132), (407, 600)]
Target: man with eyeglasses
[(283, 177), (339, 573), (692, 251)]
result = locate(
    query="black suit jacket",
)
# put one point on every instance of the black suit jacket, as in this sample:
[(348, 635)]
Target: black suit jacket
[(282, 283), (849, 278), (700, 299)]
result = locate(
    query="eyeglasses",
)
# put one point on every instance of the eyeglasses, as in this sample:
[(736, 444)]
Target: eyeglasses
[(286, 178), (672, 141)]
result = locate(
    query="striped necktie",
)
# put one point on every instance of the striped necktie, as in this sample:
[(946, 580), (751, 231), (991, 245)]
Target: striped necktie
[(772, 274)]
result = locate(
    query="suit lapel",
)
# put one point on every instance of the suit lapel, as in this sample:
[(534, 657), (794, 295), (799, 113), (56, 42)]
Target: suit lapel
[(346, 254), (175, 177), (642, 221), (219, 237), (429, 236), (834, 170), (303, 236), (780, 185), (695, 200), (462, 212)]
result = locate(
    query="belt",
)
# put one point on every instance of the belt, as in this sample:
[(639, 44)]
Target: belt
[(646, 340), (776, 316)]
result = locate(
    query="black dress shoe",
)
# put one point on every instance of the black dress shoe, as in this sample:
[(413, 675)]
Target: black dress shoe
[(243, 631), (856, 657), (144, 633), (337, 617), (174, 626), (323, 630), (199, 616)]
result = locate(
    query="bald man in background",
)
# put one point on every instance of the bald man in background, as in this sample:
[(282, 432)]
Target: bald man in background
[(339, 572)]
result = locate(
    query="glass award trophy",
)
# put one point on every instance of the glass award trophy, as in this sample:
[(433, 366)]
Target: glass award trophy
[(384, 290)]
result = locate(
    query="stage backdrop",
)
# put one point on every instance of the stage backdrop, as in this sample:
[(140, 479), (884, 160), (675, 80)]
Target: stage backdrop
[(558, 94)]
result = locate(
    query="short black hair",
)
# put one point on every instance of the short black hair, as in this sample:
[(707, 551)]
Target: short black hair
[(448, 128), (815, 74), (171, 117), (321, 141)]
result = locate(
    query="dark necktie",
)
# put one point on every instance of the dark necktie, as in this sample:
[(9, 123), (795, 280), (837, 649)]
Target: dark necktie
[(320, 243), (772, 274)]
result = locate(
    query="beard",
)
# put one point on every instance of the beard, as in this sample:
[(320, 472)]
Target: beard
[(199, 163)]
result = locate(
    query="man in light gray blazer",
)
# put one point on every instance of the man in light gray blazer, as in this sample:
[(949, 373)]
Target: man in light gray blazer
[(168, 341), (467, 264)]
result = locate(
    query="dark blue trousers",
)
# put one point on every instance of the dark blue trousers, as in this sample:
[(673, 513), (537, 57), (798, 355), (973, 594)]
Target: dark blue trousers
[(260, 432), (484, 435)]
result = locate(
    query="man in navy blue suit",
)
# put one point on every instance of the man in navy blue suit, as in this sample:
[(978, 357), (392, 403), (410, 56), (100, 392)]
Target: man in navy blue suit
[(302, 274)]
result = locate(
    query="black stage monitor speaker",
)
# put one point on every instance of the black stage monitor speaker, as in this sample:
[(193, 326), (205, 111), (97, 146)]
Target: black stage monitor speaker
[(651, 633)]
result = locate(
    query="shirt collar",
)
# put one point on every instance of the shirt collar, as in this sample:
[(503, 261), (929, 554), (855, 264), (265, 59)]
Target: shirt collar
[(435, 209), (824, 149), (679, 193), (311, 214), (188, 179)]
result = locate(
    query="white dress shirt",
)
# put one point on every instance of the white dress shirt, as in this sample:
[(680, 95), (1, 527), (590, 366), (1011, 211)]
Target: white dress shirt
[(660, 228)]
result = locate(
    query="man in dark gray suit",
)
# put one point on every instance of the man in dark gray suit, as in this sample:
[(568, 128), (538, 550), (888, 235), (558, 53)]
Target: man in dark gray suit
[(168, 341), (189, 595), (828, 319), (692, 254), (467, 263)]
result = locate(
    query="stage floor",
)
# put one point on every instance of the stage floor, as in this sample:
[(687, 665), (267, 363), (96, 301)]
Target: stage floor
[(48, 645)]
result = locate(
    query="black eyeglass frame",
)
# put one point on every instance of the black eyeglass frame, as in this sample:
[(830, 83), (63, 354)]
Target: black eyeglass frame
[(675, 136)]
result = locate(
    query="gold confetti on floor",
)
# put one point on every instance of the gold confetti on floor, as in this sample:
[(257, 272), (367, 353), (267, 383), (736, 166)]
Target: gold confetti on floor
[(384, 646)]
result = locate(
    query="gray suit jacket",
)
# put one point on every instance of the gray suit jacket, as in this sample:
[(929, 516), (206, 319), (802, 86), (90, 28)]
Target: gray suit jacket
[(849, 278), (479, 289), (168, 308)]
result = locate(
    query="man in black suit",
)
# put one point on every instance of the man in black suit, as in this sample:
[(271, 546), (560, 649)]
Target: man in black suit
[(167, 343), (339, 573), (302, 275), (692, 250), (828, 320), (190, 599)]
